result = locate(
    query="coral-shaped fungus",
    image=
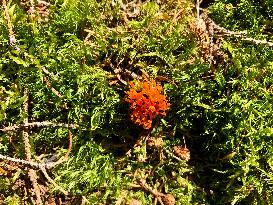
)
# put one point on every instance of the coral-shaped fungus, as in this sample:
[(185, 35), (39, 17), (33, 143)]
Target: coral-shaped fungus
[(146, 102)]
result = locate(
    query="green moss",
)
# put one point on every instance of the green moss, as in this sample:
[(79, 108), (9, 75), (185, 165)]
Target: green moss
[(222, 112)]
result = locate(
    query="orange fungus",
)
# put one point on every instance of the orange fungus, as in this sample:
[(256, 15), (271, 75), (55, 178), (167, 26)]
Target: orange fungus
[(146, 102)]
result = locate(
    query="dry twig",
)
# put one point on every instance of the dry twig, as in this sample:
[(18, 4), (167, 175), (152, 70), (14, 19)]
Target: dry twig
[(155, 193), (12, 39), (39, 165), (24, 162), (221, 31), (56, 92), (65, 158), (31, 173), (198, 2), (173, 156), (39, 124), (48, 72), (52, 181), (28, 162)]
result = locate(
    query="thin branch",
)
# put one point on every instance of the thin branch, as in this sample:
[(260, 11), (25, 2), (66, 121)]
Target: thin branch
[(254, 41), (172, 155), (198, 2), (41, 165), (146, 187), (39, 124), (23, 162), (31, 173), (176, 15), (56, 92), (52, 181), (28, 163), (25, 131), (65, 158), (48, 72), (221, 31), (12, 39)]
